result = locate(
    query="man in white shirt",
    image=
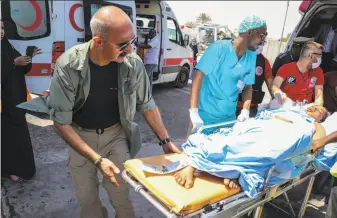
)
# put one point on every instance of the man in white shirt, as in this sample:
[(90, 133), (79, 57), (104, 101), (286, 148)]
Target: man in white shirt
[(152, 44)]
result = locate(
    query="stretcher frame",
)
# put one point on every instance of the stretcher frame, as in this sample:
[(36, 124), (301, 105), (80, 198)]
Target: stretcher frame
[(239, 204)]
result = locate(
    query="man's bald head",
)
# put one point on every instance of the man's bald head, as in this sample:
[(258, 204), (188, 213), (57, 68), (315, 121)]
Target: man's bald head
[(109, 19), (111, 30)]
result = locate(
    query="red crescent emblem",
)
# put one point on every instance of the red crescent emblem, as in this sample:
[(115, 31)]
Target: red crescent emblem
[(38, 18), (72, 17)]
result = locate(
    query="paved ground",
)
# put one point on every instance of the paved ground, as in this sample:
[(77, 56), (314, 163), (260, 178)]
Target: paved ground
[(50, 193)]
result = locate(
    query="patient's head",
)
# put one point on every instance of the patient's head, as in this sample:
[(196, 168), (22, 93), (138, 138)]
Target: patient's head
[(319, 113)]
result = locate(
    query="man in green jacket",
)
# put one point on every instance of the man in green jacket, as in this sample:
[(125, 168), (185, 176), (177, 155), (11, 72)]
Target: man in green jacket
[(95, 90)]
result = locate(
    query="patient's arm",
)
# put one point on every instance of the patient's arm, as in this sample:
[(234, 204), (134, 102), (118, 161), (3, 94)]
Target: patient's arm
[(319, 134), (320, 143), (319, 95)]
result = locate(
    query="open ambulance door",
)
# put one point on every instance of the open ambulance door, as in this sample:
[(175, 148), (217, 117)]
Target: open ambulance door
[(304, 9)]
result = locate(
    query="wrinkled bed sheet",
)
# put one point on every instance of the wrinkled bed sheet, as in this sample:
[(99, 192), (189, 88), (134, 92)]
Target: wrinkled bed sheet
[(249, 149)]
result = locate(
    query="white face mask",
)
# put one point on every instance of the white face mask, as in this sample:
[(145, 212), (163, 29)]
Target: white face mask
[(259, 49), (315, 65)]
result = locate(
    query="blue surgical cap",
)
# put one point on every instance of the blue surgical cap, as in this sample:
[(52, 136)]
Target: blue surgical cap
[(250, 23)]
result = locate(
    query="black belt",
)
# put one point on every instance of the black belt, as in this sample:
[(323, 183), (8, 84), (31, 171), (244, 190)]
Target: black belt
[(99, 131)]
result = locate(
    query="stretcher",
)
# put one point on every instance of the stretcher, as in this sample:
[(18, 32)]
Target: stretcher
[(209, 197)]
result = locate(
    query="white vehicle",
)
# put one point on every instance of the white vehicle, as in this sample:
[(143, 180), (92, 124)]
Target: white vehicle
[(175, 60), (207, 34), (54, 26)]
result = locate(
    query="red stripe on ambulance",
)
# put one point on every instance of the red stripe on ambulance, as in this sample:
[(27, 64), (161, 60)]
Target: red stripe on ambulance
[(40, 69), (175, 61)]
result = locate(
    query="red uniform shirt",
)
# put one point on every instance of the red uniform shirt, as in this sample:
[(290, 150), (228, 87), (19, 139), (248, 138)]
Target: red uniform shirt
[(299, 86)]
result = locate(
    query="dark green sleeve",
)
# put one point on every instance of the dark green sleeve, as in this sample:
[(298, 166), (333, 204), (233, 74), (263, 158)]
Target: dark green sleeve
[(62, 97), (145, 100)]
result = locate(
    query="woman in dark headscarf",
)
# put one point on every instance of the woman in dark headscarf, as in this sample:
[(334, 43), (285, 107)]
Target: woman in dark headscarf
[(17, 158)]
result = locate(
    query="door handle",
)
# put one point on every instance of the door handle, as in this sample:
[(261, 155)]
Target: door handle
[(169, 49)]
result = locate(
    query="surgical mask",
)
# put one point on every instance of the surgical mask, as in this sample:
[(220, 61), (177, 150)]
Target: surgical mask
[(259, 49), (315, 65)]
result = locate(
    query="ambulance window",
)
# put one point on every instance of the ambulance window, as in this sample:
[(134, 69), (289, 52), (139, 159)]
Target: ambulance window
[(26, 20), (94, 8), (174, 33), (146, 21)]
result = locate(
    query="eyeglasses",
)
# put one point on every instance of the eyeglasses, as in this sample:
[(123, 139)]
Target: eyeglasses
[(262, 35), (317, 54), (124, 45)]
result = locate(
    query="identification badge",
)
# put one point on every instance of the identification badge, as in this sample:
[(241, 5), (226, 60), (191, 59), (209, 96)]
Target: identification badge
[(240, 85)]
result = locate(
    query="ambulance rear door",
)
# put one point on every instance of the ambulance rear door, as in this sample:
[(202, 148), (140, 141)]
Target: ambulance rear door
[(308, 10), (73, 20), (178, 56)]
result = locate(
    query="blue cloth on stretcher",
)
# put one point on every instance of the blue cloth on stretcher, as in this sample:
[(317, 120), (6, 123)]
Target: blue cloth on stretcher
[(249, 149)]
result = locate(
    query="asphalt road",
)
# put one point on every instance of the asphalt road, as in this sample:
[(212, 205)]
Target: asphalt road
[(50, 193)]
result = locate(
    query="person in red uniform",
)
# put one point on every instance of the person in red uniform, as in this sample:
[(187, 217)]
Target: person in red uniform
[(303, 80), (263, 73)]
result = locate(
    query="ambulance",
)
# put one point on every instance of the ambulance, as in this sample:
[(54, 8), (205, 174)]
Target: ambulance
[(175, 60), (56, 25)]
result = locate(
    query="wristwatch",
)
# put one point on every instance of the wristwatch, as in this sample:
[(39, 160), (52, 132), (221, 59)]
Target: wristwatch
[(164, 141), (98, 161)]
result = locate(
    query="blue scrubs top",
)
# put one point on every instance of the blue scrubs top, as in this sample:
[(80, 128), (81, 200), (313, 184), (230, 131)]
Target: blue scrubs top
[(224, 78)]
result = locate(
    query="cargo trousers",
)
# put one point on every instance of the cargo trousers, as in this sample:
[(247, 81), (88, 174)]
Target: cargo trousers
[(112, 143)]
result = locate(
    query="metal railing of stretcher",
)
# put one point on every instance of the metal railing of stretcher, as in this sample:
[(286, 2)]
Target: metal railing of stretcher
[(239, 204)]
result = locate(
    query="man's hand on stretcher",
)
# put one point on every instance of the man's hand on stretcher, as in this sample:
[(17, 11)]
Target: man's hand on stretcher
[(171, 148), (109, 169)]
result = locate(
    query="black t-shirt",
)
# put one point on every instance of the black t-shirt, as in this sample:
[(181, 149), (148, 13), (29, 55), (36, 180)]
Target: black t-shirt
[(282, 59), (100, 109)]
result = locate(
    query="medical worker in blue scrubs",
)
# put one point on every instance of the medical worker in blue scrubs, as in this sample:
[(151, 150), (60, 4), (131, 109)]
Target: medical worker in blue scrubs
[(226, 69)]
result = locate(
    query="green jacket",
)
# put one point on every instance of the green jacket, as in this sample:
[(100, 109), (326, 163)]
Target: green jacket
[(70, 86)]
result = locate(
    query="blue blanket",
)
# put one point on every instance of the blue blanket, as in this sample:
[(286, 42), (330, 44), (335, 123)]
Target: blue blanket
[(248, 150)]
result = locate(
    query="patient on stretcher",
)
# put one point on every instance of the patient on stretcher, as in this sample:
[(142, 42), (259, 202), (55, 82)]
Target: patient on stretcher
[(243, 153)]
